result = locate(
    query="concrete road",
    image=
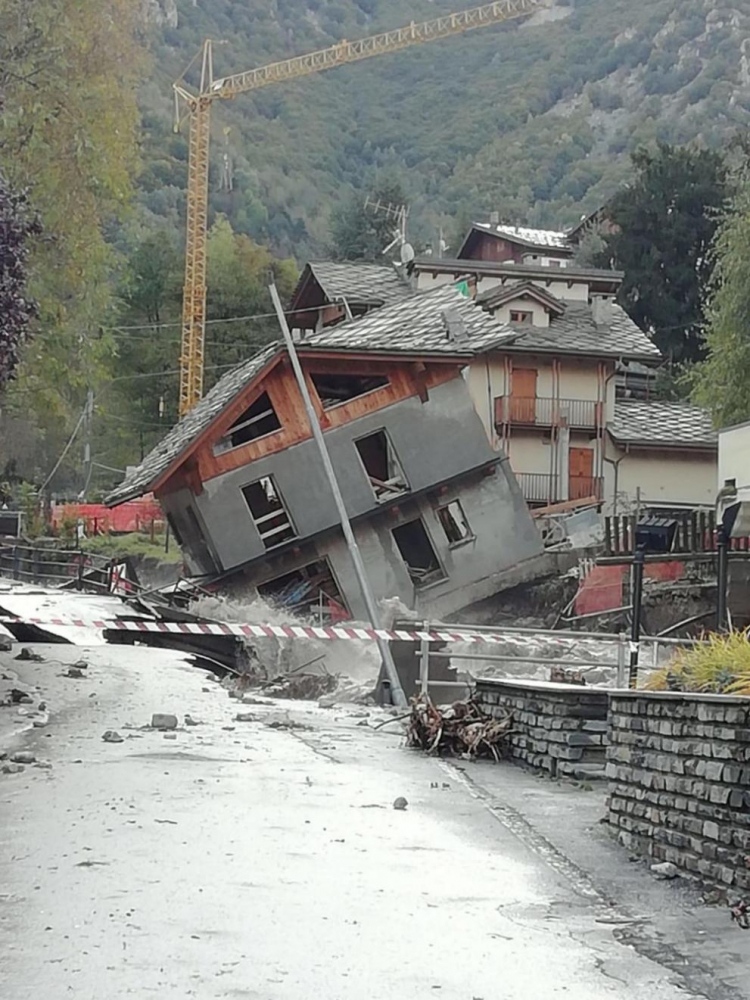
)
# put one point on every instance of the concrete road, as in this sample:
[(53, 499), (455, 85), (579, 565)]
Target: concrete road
[(239, 860)]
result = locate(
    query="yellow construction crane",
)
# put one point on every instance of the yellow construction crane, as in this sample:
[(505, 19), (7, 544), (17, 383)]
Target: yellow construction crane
[(199, 113)]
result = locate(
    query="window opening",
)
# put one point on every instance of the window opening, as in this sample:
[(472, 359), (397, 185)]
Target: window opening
[(256, 421), (382, 466), (416, 550), (521, 316), (338, 388), (453, 522), (268, 512), (310, 590)]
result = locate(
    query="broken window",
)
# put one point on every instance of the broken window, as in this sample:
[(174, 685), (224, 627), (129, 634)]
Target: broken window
[(453, 522), (334, 389), (382, 466), (268, 511), (521, 316), (312, 589), (416, 550), (256, 421)]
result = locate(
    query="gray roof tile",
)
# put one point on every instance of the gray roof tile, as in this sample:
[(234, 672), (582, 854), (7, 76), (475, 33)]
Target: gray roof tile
[(655, 423), (159, 459), (417, 325), (575, 332), (357, 281), (532, 237)]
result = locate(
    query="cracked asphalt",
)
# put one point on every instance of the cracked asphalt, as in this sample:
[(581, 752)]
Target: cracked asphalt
[(239, 860)]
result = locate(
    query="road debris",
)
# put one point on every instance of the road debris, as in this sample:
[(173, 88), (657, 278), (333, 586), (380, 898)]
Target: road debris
[(12, 768), (27, 653), (244, 717), (190, 721), (665, 870), (400, 803), (23, 757), (462, 730), (162, 720), (740, 914), (112, 737), (18, 697), (302, 687), (73, 671)]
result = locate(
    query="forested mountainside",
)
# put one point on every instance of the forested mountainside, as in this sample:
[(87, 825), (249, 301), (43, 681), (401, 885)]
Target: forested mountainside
[(534, 120)]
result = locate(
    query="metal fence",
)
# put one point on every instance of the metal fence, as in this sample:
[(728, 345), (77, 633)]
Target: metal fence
[(651, 652), (546, 411), (55, 566)]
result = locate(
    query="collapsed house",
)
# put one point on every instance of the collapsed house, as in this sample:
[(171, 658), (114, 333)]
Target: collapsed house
[(437, 512)]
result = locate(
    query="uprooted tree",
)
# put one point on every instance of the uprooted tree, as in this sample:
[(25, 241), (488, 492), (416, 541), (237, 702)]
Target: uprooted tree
[(18, 225)]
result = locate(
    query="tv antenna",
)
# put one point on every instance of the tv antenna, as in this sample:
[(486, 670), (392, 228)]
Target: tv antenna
[(398, 214)]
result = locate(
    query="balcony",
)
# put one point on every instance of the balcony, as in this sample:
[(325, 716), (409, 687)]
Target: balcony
[(544, 411), (542, 488)]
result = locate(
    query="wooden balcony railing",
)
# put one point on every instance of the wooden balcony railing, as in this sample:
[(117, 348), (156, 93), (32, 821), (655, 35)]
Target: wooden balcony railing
[(544, 411)]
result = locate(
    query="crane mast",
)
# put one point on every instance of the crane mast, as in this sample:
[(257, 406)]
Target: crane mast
[(199, 113)]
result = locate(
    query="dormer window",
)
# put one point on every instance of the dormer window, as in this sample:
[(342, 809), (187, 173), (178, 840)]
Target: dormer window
[(256, 421), (522, 316)]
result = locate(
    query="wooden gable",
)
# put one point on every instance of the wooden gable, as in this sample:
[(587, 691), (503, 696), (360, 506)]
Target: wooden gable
[(488, 247), (212, 458)]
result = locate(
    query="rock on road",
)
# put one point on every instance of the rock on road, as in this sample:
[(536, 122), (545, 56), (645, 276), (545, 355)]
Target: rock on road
[(242, 861)]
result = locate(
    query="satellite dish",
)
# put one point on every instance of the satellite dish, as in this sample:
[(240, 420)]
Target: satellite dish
[(407, 253)]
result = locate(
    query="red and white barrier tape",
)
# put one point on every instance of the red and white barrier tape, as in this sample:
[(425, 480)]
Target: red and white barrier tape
[(252, 631)]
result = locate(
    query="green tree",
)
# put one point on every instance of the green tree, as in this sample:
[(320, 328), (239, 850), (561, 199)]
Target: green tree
[(17, 310), (666, 221), (722, 381), (68, 76), (360, 232), (239, 272)]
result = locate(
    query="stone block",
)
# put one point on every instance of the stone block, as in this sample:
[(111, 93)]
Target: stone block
[(711, 830)]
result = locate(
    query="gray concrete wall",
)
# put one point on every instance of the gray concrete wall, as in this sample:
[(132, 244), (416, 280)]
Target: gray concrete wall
[(197, 547), (434, 441), (505, 542)]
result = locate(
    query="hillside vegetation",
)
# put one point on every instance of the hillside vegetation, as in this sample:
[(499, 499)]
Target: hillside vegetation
[(534, 120)]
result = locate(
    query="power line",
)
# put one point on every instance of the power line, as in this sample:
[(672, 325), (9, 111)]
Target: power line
[(211, 322)]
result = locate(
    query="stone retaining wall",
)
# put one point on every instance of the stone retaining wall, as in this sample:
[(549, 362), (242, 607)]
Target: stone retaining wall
[(679, 773), (559, 728)]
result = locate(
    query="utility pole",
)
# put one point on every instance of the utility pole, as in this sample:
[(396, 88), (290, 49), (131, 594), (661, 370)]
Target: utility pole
[(88, 419), (639, 559), (397, 692)]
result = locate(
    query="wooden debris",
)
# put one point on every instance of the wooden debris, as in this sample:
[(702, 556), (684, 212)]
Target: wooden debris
[(462, 730)]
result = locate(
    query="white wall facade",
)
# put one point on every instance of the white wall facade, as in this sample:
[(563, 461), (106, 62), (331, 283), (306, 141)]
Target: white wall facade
[(666, 477)]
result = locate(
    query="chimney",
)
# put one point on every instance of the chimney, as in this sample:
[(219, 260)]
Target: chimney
[(601, 308), (494, 218), (454, 326)]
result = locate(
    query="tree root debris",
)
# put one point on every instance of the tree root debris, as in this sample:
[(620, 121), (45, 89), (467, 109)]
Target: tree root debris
[(461, 730)]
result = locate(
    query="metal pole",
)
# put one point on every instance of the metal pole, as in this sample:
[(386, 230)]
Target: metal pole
[(635, 633), (621, 648), (424, 667), (721, 581), (397, 692)]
